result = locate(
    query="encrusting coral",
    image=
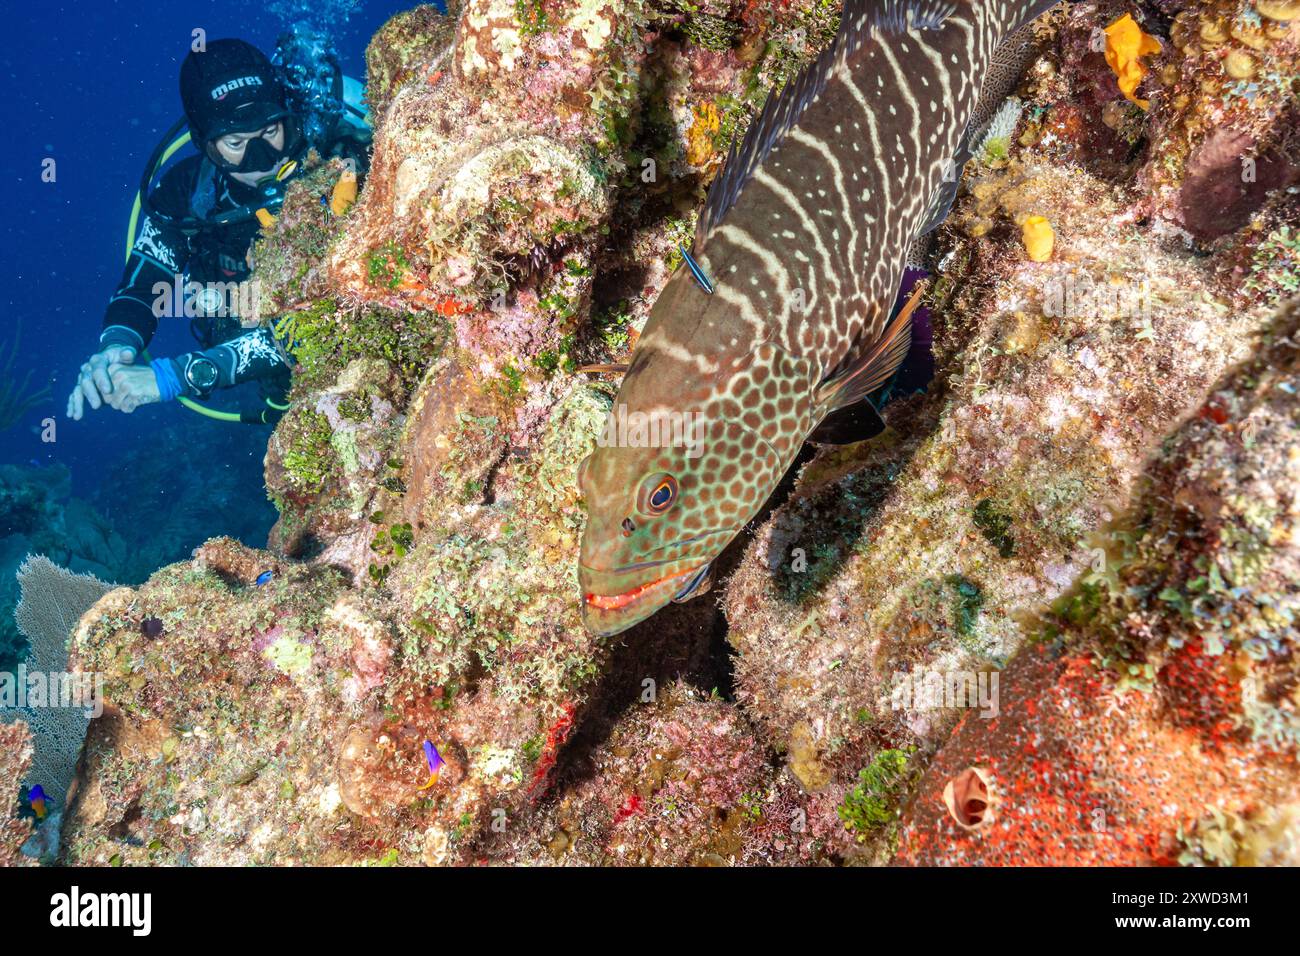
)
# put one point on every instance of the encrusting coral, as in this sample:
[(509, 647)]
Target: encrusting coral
[(536, 166), (1154, 718), (680, 781), (15, 759)]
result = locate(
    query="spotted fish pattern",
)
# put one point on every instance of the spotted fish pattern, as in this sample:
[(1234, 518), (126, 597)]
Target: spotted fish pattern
[(804, 240)]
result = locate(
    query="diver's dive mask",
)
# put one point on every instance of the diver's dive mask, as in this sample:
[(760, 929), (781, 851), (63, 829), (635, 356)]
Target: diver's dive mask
[(260, 155)]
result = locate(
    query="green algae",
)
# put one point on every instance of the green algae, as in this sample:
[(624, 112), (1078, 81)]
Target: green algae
[(309, 461), (704, 29), (995, 525), (872, 805), (532, 17), (387, 266), (1275, 270), (967, 602)]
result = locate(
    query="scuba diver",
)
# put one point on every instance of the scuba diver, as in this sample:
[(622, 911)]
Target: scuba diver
[(253, 121)]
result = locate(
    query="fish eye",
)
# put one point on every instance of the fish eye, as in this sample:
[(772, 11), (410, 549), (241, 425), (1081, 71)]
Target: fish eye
[(658, 494)]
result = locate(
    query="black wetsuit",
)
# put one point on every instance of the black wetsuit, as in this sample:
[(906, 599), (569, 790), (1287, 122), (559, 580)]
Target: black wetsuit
[(165, 259)]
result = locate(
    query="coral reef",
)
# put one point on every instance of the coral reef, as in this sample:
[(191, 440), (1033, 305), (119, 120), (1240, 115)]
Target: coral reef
[(1224, 151), (15, 759), (681, 780), (1154, 719), (1074, 530), (118, 534), (925, 552), (194, 758)]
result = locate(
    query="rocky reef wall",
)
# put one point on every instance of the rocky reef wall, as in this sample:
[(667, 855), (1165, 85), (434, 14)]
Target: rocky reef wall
[(536, 165)]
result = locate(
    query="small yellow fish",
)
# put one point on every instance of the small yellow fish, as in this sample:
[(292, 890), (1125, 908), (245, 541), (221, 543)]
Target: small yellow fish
[(1126, 44), (1039, 238), (344, 194), (265, 218)]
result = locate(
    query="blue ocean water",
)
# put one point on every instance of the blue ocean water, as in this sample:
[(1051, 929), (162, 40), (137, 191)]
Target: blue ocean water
[(91, 86)]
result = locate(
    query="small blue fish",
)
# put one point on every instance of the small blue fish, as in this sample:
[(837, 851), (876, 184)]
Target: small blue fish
[(435, 763), (265, 578), (705, 283)]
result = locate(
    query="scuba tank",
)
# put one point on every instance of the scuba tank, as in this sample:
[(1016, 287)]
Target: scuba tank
[(316, 90)]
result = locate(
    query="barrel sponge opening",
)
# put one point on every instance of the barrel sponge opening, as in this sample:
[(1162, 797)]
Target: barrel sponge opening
[(969, 798)]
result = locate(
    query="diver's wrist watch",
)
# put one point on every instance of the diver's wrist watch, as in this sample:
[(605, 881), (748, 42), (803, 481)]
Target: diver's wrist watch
[(201, 375)]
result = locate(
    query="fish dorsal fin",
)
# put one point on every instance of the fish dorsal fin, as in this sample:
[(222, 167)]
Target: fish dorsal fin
[(784, 108), (861, 374), (899, 16), (779, 115), (1010, 60)]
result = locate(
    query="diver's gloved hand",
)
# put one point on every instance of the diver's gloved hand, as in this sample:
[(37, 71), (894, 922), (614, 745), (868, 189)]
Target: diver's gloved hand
[(133, 386), (95, 384)]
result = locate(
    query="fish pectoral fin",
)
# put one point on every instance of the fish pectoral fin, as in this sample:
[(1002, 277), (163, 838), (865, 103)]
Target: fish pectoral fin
[(941, 202), (864, 373), (945, 194), (845, 426)]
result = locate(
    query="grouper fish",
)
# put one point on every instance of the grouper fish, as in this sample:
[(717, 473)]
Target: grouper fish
[(781, 321)]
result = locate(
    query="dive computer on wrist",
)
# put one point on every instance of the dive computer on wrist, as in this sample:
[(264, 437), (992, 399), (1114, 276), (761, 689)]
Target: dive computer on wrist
[(201, 375)]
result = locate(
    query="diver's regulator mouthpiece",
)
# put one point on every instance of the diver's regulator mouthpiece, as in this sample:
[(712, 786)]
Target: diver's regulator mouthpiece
[(282, 172)]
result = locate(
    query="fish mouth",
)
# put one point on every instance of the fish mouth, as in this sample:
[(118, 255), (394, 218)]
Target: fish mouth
[(609, 614)]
